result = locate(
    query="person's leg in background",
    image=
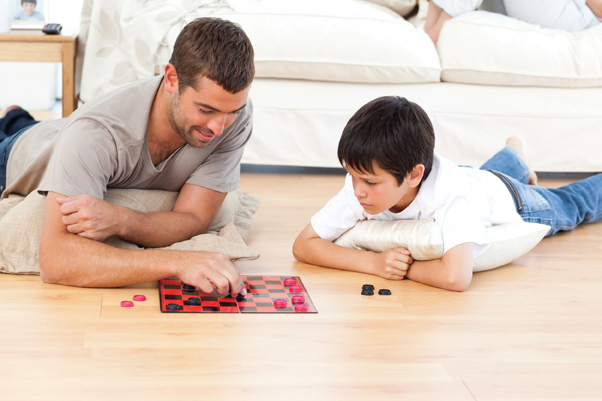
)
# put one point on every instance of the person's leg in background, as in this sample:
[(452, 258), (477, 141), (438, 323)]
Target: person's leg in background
[(14, 120), (568, 15), (14, 123)]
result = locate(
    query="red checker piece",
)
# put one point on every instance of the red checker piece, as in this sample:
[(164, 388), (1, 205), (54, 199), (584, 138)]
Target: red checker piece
[(280, 303), (295, 289), (289, 281), (127, 304), (139, 298), (301, 308), (298, 299)]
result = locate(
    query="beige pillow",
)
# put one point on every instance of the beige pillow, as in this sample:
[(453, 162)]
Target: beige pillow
[(21, 226), (424, 241)]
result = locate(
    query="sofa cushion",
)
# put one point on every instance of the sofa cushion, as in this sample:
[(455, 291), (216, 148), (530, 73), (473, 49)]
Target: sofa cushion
[(337, 41), (493, 49)]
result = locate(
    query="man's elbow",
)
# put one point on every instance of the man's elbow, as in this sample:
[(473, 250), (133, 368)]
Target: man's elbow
[(48, 271)]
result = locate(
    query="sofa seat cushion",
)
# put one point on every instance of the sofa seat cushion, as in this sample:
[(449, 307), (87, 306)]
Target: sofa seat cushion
[(336, 41), (493, 49)]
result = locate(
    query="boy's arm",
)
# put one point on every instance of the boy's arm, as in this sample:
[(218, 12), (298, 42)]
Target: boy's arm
[(452, 272), (310, 248)]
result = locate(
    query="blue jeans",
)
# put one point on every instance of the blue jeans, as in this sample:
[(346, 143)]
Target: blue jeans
[(561, 208), (12, 126)]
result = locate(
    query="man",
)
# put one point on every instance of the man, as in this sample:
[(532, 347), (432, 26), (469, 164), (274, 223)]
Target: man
[(184, 131)]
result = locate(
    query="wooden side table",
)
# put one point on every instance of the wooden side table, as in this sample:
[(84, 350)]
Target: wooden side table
[(35, 46)]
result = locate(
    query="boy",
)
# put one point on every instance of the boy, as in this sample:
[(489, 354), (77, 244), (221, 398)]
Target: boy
[(28, 11), (387, 148)]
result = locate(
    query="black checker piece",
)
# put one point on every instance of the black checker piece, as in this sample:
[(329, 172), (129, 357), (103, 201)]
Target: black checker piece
[(193, 302)]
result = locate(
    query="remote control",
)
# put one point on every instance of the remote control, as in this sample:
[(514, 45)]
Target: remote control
[(52, 29)]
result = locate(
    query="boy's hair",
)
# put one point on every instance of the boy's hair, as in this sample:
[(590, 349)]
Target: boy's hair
[(392, 132), (29, 1), (213, 48)]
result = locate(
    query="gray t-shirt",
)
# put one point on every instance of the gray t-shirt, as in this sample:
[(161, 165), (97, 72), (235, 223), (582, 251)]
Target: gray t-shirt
[(104, 145)]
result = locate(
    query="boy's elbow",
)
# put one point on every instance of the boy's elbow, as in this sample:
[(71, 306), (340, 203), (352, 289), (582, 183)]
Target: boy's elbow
[(457, 284), (298, 250), (459, 279)]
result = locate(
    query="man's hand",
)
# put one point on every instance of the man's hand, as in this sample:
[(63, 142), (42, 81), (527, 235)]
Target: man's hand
[(90, 217), (392, 264), (204, 269)]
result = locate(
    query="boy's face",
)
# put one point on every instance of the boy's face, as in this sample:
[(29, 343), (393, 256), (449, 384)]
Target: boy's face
[(380, 191), (28, 8)]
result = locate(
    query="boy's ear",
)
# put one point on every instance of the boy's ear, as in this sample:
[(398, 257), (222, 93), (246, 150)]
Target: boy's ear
[(415, 177)]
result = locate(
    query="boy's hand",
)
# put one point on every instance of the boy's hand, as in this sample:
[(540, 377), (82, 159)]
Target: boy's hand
[(392, 264)]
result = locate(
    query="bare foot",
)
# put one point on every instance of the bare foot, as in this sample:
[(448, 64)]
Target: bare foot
[(10, 108), (517, 145)]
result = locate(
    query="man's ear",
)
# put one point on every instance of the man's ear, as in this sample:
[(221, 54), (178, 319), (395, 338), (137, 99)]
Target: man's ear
[(170, 79), (415, 177)]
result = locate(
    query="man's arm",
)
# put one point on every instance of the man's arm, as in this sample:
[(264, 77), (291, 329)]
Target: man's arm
[(93, 218), (452, 272), (72, 260), (310, 248)]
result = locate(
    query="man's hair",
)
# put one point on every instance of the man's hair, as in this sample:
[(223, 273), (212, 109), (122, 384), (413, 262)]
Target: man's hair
[(216, 49), (392, 132), (29, 1)]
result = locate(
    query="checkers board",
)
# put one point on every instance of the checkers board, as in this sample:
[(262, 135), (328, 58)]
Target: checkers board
[(262, 291)]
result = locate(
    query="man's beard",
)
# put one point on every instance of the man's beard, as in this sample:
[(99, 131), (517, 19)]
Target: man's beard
[(179, 123)]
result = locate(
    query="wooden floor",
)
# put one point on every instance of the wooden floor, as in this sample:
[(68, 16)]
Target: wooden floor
[(531, 330)]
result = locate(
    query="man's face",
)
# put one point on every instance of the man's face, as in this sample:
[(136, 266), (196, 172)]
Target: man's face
[(379, 191), (28, 8), (201, 115)]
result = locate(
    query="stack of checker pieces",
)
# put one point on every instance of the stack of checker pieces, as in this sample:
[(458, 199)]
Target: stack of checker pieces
[(262, 292)]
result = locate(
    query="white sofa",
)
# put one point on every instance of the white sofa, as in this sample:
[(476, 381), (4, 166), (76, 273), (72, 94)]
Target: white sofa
[(318, 61)]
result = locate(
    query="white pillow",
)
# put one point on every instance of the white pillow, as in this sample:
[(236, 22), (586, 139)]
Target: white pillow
[(424, 241), (334, 40), (493, 49)]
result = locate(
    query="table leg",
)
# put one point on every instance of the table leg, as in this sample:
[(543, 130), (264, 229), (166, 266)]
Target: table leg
[(69, 99)]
